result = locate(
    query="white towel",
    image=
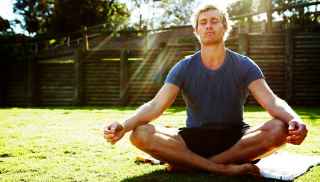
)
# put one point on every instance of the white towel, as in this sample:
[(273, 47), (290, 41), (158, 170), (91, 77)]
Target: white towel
[(286, 166)]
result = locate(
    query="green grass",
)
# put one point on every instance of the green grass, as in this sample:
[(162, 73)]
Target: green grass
[(66, 144)]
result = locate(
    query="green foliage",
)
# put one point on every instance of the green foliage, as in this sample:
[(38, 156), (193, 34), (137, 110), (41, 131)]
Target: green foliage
[(15, 48), (36, 14), (292, 11), (176, 12), (70, 16), (60, 17), (240, 7), (4, 25), (166, 13), (300, 15)]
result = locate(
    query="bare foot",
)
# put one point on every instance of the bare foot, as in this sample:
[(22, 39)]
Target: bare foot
[(147, 160), (176, 169), (242, 169)]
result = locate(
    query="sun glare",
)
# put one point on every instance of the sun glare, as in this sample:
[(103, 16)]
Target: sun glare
[(220, 3)]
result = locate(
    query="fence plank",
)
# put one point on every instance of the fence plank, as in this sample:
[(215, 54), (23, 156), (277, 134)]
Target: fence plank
[(124, 77), (78, 81), (289, 63)]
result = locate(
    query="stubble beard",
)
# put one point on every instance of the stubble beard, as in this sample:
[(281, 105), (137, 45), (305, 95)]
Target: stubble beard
[(212, 42)]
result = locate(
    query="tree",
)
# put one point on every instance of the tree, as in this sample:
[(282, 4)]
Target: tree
[(166, 13), (60, 17), (240, 7), (36, 14), (177, 12), (70, 15), (298, 15), (4, 25), (293, 11)]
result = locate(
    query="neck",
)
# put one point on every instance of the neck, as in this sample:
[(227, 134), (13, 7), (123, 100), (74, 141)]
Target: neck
[(213, 55)]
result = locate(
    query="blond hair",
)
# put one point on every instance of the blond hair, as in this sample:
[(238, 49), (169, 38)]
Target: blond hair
[(209, 6)]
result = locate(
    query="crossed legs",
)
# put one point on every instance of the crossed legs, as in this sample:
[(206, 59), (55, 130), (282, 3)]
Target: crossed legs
[(255, 144), (167, 145)]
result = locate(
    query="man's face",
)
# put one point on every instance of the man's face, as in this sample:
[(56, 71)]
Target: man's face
[(210, 29)]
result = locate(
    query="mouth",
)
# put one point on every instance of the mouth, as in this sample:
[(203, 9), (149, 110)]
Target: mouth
[(210, 33)]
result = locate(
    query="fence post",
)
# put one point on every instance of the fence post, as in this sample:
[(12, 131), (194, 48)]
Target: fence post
[(78, 81), (3, 82), (124, 75), (243, 43), (289, 64), (85, 38), (269, 15), (31, 82), (145, 36), (32, 79)]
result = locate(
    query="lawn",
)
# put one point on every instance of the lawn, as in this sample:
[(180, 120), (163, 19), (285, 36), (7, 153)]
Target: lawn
[(66, 144)]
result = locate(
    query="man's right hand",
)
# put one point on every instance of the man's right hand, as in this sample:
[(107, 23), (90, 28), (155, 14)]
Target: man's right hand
[(113, 132)]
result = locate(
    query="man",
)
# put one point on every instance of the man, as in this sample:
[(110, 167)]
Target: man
[(215, 82)]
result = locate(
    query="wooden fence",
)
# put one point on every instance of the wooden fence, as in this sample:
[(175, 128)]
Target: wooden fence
[(290, 62), (306, 69), (268, 51)]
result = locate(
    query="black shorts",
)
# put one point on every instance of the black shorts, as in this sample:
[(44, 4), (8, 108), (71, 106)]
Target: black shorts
[(210, 141)]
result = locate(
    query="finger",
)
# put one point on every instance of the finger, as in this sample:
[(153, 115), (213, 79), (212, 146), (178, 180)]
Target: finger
[(292, 125), (113, 141), (294, 132), (107, 132), (107, 129), (300, 130), (110, 135), (108, 140), (117, 137), (113, 128), (294, 137), (294, 140), (298, 133)]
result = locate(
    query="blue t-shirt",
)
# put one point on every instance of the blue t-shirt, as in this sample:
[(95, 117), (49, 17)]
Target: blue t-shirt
[(214, 97)]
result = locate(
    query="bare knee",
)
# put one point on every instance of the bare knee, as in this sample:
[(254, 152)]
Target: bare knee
[(276, 133), (141, 136)]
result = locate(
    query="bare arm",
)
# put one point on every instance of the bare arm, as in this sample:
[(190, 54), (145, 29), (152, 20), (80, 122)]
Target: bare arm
[(276, 107), (154, 108), (279, 109), (147, 112)]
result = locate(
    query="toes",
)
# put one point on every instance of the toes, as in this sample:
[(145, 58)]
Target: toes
[(253, 170)]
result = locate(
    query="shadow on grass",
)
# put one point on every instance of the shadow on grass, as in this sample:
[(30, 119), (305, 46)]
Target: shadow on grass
[(99, 107), (173, 109), (161, 175)]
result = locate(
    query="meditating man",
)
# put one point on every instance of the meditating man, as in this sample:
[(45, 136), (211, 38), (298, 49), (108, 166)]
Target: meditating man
[(215, 82)]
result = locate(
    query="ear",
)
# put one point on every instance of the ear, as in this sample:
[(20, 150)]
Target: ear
[(196, 33)]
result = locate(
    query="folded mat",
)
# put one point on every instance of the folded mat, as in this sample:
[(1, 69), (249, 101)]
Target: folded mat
[(286, 166)]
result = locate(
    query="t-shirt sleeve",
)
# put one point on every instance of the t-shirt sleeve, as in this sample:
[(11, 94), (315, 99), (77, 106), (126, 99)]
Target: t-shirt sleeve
[(176, 75), (253, 72)]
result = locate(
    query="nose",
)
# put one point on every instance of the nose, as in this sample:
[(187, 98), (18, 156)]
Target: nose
[(209, 26)]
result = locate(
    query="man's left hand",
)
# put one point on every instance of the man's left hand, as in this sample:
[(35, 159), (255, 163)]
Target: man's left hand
[(297, 132)]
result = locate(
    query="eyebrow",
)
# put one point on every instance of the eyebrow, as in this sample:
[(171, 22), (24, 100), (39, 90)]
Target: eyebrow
[(214, 17)]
